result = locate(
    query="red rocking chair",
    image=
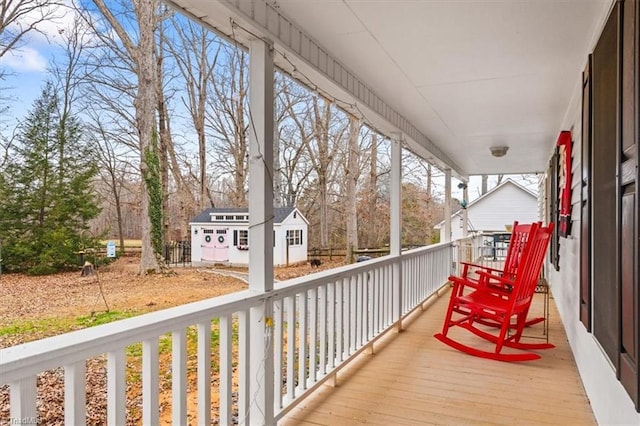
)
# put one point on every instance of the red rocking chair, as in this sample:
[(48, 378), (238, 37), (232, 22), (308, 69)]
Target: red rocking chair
[(517, 242), (501, 301)]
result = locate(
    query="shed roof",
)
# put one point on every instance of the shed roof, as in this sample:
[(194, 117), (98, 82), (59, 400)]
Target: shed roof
[(279, 213)]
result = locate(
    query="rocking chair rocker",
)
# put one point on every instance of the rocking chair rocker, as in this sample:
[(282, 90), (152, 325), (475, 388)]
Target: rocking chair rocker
[(502, 301)]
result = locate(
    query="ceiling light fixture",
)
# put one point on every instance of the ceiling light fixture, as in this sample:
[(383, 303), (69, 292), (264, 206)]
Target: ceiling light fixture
[(499, 151)]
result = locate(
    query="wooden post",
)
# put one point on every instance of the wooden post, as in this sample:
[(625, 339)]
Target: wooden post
[(395, 245), (465, 213), (447, 205), (261, 101)]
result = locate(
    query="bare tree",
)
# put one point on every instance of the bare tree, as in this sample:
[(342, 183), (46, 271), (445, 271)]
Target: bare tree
[(327, 130), (195, 51), (295, 131), (141, 55), (21, 17), (228, 122), (113, 171)]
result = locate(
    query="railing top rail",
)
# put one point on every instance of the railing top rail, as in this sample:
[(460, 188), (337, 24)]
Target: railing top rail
[(433, 247)]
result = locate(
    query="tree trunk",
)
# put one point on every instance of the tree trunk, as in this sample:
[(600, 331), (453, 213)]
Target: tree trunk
[(165, 138), (145, 104), (322, 121), (373, 191)]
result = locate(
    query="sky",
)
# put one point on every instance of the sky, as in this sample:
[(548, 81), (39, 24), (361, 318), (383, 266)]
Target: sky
[(25, 68), (25, 71)]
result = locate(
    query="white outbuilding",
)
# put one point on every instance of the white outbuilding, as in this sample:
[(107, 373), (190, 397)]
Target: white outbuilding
[(495, 211), (221, 235)]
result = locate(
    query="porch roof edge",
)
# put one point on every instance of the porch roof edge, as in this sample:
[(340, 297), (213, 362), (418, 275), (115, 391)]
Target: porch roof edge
[(301, 56)]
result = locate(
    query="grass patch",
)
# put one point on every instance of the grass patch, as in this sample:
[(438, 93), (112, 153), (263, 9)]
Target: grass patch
[(50, 326), (44, 327), (103, 318)]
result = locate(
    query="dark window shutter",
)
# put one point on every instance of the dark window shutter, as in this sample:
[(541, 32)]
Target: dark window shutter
[(235, 237), (301, 238)]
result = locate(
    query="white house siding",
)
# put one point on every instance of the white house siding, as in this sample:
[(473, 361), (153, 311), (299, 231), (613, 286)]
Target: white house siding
[(508, 204), (611, 403), (496, 210)]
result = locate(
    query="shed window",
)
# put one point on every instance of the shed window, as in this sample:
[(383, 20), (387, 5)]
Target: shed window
[(294, 237), (243, 237)]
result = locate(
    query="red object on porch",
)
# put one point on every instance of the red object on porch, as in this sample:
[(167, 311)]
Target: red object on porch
[(519, 235), (504, 306), (564, 144), (517, 243)]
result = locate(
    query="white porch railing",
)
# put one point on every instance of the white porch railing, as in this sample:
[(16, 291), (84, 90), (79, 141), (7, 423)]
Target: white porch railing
[(478, 249), (320, 322)]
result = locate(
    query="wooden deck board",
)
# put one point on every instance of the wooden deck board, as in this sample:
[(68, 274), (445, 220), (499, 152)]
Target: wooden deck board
[(413, 379)]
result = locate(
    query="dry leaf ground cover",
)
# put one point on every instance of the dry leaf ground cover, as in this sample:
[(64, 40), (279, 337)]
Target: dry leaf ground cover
[(32, 308)]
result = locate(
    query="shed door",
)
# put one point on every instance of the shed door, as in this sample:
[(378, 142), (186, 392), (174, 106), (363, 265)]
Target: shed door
[(221, 246), (215, 245)]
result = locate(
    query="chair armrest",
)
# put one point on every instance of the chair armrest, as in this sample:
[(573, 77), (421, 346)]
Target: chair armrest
[(486, 268), (460, 283), (497, 282)]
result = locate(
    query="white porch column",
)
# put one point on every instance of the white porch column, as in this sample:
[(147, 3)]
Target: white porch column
[(447, 205), (395, 243), (261, 101), (465, 216)]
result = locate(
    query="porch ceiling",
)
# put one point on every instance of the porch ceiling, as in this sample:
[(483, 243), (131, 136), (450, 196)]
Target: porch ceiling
[(467, 74)]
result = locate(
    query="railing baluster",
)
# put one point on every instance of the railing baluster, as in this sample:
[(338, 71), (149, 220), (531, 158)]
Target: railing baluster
[(362, 289), (331, 326), (322, 318), (278, 342), (376, 287), (150, 366), (340, 322), (226, 370), (244, 384), (313, 334), (23, 394), (204, 373), (370, 304), (74, 394), (291, 347), (302, 340), (179, 376), (116, 388), (353, 314)]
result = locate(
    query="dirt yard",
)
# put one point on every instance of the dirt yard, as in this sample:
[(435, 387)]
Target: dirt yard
[(32, 308)]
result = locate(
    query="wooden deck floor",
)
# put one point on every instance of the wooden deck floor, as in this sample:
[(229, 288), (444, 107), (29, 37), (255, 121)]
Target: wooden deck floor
[(413, 379)]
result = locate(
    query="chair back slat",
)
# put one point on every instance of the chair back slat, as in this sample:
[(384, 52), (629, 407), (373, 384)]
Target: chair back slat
[(528, 272), (517, 243)]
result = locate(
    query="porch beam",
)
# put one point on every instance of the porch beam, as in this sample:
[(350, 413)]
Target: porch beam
[(261, 101), (447, 205)]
